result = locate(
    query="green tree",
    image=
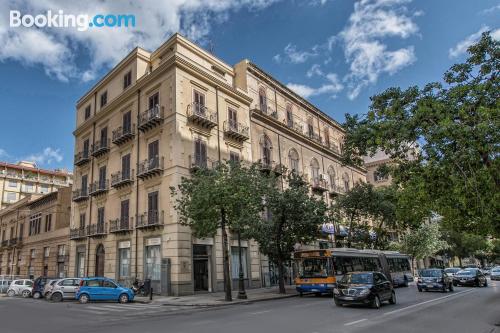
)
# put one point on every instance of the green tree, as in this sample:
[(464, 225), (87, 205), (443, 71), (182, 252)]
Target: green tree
[(292, 217), (463, 245), (229, 196), (456, 127), (423, 242)]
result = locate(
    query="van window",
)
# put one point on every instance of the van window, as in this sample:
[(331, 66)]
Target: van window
[(93, 283)]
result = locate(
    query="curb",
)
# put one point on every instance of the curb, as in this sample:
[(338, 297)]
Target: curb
[(212, 305)]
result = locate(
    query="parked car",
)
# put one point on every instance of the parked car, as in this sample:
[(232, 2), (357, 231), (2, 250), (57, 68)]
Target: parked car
[(450, 271), (364, 288), (495, 273), (470, 277), (102, 289), (434, 279), (39, 286), (64, 289), (48, 287), (20, 287), (4, 285)]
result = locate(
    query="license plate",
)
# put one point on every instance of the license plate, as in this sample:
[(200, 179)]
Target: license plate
[(348, 298)]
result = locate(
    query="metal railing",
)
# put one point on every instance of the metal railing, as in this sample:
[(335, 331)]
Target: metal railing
[(120, 224), (122, 134), (150, 166), (199, 113), (77, 233), (82, 157), (98, 229), (153, 218), (319, 183), (80, 194), (199, 162), (121, 178), (150, 118), (100, 147), (236, 130), (99, 186)]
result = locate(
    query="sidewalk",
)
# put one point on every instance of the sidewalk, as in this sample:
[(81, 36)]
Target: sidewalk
[(217, 299)]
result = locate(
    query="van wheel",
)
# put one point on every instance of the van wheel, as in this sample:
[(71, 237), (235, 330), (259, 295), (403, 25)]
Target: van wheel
[(57, 297), (37, 295), (376, 303), (26, 293), (11, 293), (392, 300), (123, 298), (84, 298)]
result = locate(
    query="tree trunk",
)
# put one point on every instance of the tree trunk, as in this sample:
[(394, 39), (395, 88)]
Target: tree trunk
[(349, 235), (225, 255), (460, 261), (281, 279)]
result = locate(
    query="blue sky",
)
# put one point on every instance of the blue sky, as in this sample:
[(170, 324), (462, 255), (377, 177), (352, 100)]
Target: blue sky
[(336, 53)]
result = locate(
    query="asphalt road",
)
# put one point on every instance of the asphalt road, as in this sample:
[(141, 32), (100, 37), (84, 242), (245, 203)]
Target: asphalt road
[(467, 310)]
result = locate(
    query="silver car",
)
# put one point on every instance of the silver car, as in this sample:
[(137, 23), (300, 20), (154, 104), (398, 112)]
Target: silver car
[(495, 273), (48, 287), (64, 289)]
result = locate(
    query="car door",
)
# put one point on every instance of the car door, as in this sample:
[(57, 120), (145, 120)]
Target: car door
[(66, 286), (109, 290), (93, 288), (385, 287)]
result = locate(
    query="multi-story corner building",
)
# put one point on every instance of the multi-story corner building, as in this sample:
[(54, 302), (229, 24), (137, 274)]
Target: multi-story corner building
[(373, 174), (149, 122), (35, 235), (24, 178)]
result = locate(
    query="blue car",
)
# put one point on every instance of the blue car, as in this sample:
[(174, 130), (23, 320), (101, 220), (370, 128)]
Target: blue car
[(102, 289)]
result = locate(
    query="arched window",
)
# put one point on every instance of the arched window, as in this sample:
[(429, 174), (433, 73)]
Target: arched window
[(293, 156), (331, 177), (266, 147), (345, 178), (289, 115), (314, 169), (262, 99)]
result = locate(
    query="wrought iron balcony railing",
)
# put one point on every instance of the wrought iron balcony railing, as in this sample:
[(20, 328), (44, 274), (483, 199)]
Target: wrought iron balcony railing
[(122, 178), (100, 147), (123, 134), (319, 184), (80, 194), (150, 118), (99, 187), (150, 167), (81, 158), (200, 115), (150, 219), (98, 229), (77, 233), (122, 224), (236, 131)]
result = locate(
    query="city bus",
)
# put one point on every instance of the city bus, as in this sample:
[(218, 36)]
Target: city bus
[(319, 270)]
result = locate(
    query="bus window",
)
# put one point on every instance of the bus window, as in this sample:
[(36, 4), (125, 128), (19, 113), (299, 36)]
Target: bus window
[(314, 268)]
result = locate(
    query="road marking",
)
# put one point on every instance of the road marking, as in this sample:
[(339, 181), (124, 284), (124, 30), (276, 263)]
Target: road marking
[(429, 301), (355, 322), (260, 312)]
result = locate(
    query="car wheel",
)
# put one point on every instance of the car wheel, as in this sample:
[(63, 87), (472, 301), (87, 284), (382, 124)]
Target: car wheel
[(451, 287), (57, 297), (419, 289), (11, 293), (392, 300), (123, 298), (37, 295), (376, 303), (478, 284), (486, 283), (83, 299), (337, 303), (26, 293)]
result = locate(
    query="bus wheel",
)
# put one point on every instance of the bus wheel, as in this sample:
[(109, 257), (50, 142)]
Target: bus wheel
[(301, 294)]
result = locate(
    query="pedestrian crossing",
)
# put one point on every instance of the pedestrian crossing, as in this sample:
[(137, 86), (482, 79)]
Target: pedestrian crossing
[(133, 309)]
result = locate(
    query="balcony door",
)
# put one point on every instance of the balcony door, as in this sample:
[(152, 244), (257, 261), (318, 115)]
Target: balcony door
[(104, 136), (232, 116), (124, 213), (199, 103), (102, 177), (153, 207), (127, 122), (153, 154), (126, 166), (200, 153)]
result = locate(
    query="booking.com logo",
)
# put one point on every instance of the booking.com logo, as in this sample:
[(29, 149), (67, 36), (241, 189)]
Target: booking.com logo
[(60, 20)]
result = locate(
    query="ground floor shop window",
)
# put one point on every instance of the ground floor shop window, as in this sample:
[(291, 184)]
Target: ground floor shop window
[(153, 262), (124, 263), (235, 262)]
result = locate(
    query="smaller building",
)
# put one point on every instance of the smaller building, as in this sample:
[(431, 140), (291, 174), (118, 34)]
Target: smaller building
[(372, 164), (25, 178), (35, 235)]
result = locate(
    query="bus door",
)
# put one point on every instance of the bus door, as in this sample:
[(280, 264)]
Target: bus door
[(385, 266)]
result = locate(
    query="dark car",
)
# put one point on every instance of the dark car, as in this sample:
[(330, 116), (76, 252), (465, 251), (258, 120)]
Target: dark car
[(364, 288), (470, 277), (434, 279), (39, 285)]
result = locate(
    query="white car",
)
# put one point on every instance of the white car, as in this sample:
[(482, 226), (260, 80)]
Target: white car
[(20, 287), (495, 273)]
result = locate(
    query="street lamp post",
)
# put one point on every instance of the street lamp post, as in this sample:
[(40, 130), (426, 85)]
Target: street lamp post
[(241, 292)]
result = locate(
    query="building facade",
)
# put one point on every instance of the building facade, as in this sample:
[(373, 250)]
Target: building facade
[(35, 235), (24, 178), (152, 120)]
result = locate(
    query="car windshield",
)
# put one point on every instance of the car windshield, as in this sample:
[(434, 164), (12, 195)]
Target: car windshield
[(466, 273), (451, 270), (314, 268), (430, 273), (358, 278)]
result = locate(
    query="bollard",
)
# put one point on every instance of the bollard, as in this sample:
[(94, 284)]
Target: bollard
[(151, 294)]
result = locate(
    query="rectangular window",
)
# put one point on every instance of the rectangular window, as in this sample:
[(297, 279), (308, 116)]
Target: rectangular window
[(234, 157), (104, 98), (32, 253), (87, 112), (153, 262), (84, 184), (44, 188), (127, 80), (153, 207), (127, 122), (124, 263), (10, 196), (35, 224), (327, 136), (100, 215), (102, 177), (232, 117), (82, 220), (61, 250), (104, 136), (200, 153), (126, 166), (28, 187), (48, 222), (153, 152), (12, 183), (46, 252), (80, 264), (21, 231), (235, 262), (124, 210), (199, 102), (86, 145), (154, 100)]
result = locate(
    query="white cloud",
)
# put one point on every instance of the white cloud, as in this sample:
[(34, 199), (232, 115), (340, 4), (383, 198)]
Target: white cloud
[(463, 45), (368, 56), (333, 87), (3, 153), (491, 9), (293, 55), (56, 49), (46, 156), (314, 70)]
